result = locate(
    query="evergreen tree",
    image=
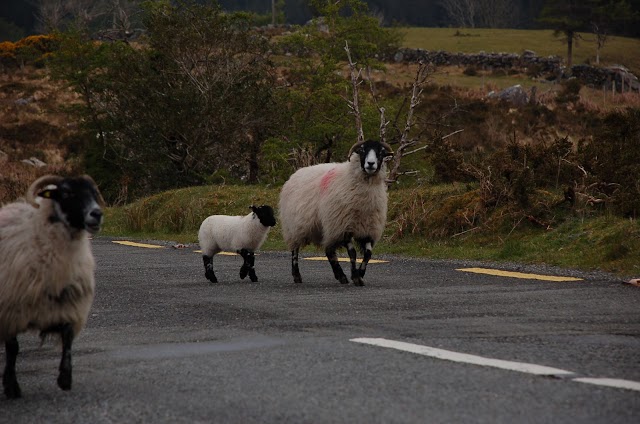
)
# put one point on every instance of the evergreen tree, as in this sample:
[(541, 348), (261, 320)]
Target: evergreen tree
[(567, 17)]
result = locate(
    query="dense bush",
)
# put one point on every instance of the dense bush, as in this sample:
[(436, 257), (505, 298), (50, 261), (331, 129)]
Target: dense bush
[(611, 162), (195, 98), (32, 50)]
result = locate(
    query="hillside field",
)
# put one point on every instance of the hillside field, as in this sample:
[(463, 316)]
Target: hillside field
[(34, 123), (617, 50)]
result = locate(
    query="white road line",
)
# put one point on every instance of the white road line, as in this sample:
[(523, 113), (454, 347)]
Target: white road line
[(610, 382), (464, 358), (496, 363)]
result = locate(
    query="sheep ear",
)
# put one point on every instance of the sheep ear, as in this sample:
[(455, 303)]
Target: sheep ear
[(253, 208)]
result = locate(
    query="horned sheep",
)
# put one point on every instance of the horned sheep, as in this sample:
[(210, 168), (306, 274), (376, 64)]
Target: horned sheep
[(241, 234), (334, 205), (47, 267)]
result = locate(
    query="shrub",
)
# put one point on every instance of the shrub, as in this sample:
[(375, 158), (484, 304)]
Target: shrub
[(611, 161), (470, 71), (570, 92)]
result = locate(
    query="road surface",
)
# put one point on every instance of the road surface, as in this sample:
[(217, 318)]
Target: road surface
[(423, 342)]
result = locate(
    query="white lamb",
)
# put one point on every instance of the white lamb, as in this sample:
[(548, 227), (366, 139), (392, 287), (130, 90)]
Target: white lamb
[(241, 234), (47, 268), (335, 205)]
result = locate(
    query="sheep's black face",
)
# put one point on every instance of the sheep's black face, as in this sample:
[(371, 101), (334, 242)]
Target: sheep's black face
[(372, 154), (265, 215), (76, 203)]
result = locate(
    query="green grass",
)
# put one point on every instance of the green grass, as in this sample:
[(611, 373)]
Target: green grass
[(617, 50), (602, 243)]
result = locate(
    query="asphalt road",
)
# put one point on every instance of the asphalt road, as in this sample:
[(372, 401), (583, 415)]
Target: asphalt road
[(163, 345)]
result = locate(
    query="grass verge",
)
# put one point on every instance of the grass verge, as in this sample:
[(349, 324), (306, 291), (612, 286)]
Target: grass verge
[(416, 218)]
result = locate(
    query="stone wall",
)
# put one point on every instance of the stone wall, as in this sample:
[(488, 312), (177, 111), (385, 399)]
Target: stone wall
[(550, 67)]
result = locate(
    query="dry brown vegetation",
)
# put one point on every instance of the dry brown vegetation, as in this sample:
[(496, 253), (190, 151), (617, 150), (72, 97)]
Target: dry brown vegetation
[(33, 124)]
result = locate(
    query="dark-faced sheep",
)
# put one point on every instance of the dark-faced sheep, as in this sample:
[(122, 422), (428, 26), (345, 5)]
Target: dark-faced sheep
[(336, 205), (47, 267)]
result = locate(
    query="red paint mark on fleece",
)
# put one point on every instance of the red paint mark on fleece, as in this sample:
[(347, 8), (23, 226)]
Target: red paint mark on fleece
[(326, 180)]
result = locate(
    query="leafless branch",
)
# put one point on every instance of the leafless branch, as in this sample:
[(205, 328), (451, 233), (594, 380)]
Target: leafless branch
[(422, 74), (426, 145), (383, 120), (354, 104)]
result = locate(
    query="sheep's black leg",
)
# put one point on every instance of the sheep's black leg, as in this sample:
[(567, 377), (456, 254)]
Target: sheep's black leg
[(335, 265), (9, 380), (64, 378), (366, 246), (208, 268), (355, 272), (248, 265), (295, 270)]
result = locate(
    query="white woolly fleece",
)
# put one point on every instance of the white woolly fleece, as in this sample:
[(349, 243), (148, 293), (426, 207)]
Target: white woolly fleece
[(231, 233), (320, 203), (40, 264)]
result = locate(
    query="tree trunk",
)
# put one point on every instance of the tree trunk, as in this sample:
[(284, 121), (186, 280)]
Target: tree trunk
[(570, 35), (273, 12)]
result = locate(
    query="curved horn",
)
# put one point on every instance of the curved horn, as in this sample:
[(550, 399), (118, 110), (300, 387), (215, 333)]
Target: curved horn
[(354, 147), (39, 184), (95, 186), (388, 147)]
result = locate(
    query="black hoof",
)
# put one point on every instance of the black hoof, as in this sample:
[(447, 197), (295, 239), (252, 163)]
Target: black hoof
[(343, 280), (64, 381), (358, 281), (12, 389), (297, 279), (210, 276), (243, 273), (253, 277)]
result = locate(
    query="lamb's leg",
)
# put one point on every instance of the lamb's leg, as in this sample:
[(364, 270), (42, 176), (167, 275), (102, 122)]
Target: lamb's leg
[(208, 268), (355, 272), (244, 269), (252, 271), (64, 378), (295, 270), (9, 380), (335, 265), (247, 266)]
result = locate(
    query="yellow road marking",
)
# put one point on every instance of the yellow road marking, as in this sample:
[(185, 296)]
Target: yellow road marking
[(134, 244), (323, 258), (518, 274), (221, 253)]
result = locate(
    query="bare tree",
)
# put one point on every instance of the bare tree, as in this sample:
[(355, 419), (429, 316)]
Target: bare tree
[(85, 11), (354, 104), (122, 13), (54, 15), (496, 13), (51, 15), (462, 12), (406, 141)]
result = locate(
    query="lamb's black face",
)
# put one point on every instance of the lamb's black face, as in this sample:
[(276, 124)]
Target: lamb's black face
[(372, 154), (76, 203), (265, 215)]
